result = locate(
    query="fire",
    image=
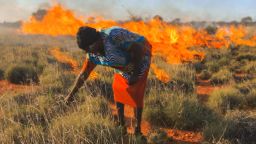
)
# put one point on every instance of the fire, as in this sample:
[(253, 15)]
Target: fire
[(64, 58), (160, 74), (56, 21), (172, 42), (235, 35), (61, 57)]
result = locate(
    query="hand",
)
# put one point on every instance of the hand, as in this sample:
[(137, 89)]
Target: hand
[(133, 80)]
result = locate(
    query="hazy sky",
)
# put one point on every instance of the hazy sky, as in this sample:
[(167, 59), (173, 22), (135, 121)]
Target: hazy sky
[(12, 10)]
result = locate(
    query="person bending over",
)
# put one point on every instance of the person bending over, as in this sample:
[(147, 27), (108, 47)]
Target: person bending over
[(129, 54)]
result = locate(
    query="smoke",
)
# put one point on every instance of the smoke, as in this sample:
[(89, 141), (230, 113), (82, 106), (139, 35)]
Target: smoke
[(120, 9), (186, 10), (44, 5), (11, 11), (111, 9)]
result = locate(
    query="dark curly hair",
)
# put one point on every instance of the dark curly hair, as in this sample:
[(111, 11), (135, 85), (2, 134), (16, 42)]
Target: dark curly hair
[(86, 36)]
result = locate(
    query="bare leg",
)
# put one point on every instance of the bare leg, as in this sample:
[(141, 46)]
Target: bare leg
[(138, 114), (120, 113)]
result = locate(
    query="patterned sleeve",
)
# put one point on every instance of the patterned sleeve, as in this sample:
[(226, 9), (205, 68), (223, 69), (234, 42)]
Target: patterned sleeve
[(100, 60), (124, 38)]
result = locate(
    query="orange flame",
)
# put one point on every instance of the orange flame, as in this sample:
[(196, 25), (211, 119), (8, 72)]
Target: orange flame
[(171, 42), (160, 74), (57, 21), (63, 58)]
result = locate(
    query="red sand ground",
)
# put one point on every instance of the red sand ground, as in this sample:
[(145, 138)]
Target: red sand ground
[(204, 91), (177, 135), (6, 86), (204, 88)]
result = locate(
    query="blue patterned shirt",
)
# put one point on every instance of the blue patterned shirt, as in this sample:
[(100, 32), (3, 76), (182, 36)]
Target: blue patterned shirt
[(116, 43)]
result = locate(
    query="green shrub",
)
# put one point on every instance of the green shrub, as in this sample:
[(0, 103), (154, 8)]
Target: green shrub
[(237, 127), (242, 127), (199, 66), (224, 61), (223, 76), (249, 67), (179, 111), (191, 116), (251, 99), (246, 86), (246, 56), (205, 75), (216, 59), (225, 99), (213, 66), (154, 111), (214, 131), (235, 66), (21, 74), (183, 78)]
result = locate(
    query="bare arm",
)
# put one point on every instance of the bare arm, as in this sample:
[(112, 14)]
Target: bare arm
[(84, 74)]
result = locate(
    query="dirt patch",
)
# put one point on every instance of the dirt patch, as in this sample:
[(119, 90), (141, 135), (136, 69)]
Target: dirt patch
[(243, 76), (203, 92), (204, 88), (6, 86)]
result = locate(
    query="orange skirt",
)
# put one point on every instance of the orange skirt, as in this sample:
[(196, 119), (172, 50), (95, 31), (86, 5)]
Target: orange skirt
[(129, 94)]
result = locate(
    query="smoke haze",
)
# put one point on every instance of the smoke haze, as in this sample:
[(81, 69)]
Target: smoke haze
[(186, 10)]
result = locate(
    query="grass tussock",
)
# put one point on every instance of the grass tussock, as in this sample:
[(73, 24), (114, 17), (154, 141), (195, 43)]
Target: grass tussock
[(19, 74), (53, 79), (236, 127), (179, 111), (205, 75), (225, 99), (251, 99), (223, 76), (250, 67), (246, 86), (84, 128), (182, 79)]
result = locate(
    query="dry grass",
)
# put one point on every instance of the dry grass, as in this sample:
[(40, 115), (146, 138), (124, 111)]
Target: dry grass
[(225, 99), (236, 127), (177, 110), (41, 116)]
